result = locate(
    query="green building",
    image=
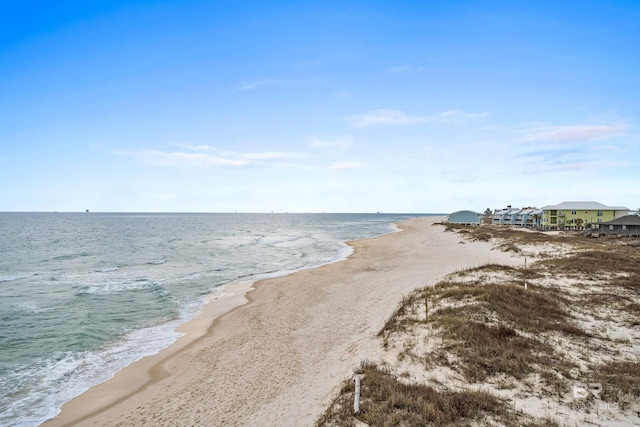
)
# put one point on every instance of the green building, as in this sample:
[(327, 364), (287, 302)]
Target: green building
[(576, 215)]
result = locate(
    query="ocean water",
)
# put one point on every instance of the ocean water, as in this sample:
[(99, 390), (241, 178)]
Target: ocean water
[(84, 294)]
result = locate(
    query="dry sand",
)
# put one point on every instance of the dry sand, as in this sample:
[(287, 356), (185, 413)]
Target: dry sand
[(279, 359)]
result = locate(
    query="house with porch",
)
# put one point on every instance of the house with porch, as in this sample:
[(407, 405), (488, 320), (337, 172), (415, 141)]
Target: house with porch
[(504, 216), (529, 217), (628, 225)]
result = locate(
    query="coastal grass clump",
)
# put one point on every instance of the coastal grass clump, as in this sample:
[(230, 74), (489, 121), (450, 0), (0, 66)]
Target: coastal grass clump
[(535, 310), (506, 234), (633, 309), (596, 299), (616, 267), (550, 244), (514, 272), (387, 401), (613, 259), (482, 351), (614, 262), (620, 381), (496, 328), (402, 317), (489, 329)]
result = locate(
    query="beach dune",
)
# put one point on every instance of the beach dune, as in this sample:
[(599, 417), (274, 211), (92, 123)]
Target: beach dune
[(277, 355)]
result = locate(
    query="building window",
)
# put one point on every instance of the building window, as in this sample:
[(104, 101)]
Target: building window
[(624, 227), (573, 212), (611, 227), (599, 213), (599, 219)]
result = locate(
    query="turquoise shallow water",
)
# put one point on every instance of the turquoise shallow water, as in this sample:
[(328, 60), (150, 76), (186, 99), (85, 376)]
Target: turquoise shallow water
[(83, 295)]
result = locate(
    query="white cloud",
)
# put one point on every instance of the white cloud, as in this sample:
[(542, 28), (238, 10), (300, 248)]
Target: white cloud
[(382, 117), (346, 165), (207, 156), (265, 155), (456, 116), (398, 117), (574, 134), (567, 159), (255, 84), (179, 159), (574, 166)]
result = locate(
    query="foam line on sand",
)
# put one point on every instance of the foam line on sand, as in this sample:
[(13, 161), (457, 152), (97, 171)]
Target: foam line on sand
[(278, 359)]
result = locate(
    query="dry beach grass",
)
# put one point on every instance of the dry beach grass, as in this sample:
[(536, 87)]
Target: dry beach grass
[(480, 330)]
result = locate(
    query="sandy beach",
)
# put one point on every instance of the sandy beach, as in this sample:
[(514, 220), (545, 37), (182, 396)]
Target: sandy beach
[(276, 355)]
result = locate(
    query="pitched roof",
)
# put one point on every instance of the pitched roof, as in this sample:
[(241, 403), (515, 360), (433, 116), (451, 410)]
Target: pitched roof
[(625, 220), (578, 206), (466, 210)]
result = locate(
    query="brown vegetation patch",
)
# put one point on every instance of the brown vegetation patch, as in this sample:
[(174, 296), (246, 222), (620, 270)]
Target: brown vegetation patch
[(620, 381), (483, 351), (386, 401), (533, 310), (490, 329), (513, 235), (482, 325), (493, 331), (617, 259)]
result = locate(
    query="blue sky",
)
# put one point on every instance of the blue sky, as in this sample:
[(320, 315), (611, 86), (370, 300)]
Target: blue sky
[(336, 106)]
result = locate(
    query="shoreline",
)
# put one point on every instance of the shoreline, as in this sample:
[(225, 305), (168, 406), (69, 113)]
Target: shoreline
[(234, 295), (222, 299), (283, 330), (147, 371)]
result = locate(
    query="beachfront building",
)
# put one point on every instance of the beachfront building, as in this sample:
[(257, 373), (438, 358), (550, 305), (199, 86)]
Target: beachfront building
[(528, 217), (504, 216), (577, 215), (511, 216), (628, 225), (525, 217), (465, 218)]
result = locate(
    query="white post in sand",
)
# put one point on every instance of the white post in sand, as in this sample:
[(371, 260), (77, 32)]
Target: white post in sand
[(356, 397)]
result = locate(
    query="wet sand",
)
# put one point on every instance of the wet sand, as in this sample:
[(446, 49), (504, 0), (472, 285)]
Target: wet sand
[(276, 355)]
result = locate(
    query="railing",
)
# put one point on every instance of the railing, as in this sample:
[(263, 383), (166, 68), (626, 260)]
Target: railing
[(618, 232)]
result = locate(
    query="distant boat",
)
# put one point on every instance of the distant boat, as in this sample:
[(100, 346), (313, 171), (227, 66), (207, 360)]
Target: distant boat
[(87, 210)]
